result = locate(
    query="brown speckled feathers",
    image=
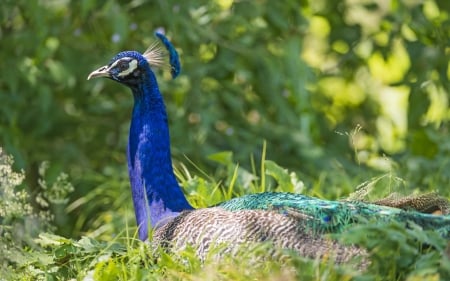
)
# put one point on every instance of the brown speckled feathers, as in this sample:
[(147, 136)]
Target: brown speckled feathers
[(204, 228)]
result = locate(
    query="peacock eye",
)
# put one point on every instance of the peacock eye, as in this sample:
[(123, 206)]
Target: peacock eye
[(122, 65), (125, 67)]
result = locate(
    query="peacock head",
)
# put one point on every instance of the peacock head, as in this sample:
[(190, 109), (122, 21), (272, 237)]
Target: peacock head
[(131, 67), (126, 67)]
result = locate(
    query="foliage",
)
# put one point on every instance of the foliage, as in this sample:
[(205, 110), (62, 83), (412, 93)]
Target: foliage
[(404, 252), (20, 223), (396, 252), (301, 75), (341, 91)]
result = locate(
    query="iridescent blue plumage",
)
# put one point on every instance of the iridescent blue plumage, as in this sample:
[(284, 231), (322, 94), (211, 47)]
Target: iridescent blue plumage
[(289, 220), (155, 191), (173, 55)]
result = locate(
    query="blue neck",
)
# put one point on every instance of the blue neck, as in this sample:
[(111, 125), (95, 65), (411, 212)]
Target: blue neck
[(156, 193)]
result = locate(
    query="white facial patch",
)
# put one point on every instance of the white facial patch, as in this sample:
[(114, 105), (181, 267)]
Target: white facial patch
[(126, 67)]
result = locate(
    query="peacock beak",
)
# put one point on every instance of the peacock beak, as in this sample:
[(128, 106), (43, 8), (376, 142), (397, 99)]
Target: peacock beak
[(101, 72)]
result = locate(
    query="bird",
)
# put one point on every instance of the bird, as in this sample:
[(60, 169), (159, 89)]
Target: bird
[(288, 220)]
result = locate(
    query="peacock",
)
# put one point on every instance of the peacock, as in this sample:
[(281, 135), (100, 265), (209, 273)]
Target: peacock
[(287, 220)]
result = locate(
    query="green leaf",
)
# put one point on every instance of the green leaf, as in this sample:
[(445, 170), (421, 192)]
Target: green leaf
[(224, 157), (49, 239), (286, 181)]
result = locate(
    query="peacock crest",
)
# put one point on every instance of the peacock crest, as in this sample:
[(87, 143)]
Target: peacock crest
[(157, 53)]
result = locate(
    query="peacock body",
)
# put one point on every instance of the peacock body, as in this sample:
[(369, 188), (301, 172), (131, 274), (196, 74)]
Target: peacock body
[(291, 221)]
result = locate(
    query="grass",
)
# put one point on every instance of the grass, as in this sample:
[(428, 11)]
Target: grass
[(396, 252)]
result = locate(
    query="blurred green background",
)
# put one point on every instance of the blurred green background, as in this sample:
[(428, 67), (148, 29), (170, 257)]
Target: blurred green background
[(340, 90)]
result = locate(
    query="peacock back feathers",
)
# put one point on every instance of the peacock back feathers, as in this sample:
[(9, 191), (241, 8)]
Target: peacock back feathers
[(323, 216)]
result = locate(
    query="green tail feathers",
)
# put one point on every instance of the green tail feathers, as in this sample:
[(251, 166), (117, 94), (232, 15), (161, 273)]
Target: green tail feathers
[(333, 216)]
